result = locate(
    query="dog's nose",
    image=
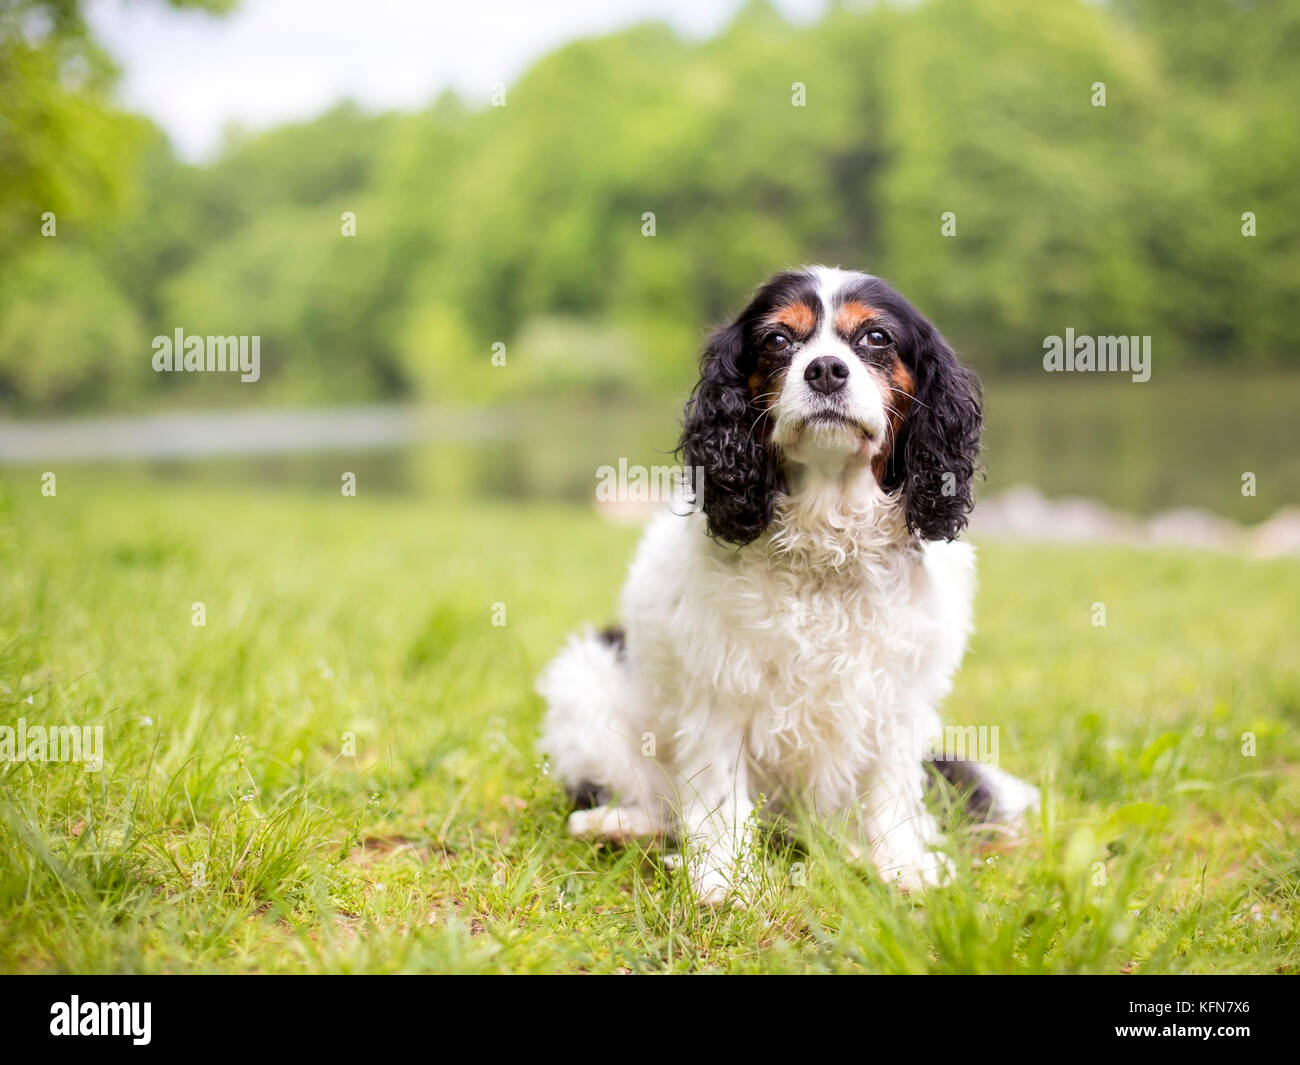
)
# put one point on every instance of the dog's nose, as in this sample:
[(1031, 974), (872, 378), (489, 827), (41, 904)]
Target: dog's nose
[(826, 374)]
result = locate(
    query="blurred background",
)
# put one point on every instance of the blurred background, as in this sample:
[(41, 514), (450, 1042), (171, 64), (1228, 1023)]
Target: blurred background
[(503, 318)]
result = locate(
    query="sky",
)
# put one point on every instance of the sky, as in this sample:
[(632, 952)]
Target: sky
[(273, 61)]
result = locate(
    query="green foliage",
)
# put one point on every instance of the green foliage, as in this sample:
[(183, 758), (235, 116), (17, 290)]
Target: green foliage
[(64, 149), (68, 335), (510, 224)]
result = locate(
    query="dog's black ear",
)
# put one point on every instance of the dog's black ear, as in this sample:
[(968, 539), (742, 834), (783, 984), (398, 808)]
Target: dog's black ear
[(935, 457), (720, 438)]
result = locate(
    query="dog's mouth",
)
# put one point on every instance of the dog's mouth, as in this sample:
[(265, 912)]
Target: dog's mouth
[(830, 417)]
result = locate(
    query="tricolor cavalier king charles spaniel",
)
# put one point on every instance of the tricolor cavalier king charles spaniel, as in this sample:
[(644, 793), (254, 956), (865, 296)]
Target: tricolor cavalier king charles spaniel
[(792, 637)]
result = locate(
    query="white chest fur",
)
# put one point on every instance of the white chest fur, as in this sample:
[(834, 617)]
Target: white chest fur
[(824, 646)]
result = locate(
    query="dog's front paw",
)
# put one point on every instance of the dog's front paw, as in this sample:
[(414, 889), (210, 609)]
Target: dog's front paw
[(585, 824), (711, 885), (614, 823), (929, 869)]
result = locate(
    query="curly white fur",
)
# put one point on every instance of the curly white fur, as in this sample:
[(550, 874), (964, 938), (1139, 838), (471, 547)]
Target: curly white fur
[(805, 667)]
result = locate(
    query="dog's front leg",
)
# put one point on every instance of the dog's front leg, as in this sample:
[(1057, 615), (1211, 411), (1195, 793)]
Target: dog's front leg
[(899, 832), (716, 829)]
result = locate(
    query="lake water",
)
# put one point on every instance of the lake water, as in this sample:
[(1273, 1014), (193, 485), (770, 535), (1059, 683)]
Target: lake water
[(1142, 448)]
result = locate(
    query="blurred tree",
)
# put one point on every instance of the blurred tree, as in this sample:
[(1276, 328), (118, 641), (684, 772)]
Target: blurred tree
[(69, 338), (63, 147), (636, 186), (69, 163)]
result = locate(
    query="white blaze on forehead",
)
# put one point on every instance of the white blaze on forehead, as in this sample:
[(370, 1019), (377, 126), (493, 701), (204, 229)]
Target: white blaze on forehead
[(831, 280), (831, 283)]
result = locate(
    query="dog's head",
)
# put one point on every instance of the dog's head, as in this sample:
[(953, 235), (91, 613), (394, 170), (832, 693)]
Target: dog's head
[(832, 374)]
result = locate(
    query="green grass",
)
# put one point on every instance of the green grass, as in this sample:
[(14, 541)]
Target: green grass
[(231, 830)]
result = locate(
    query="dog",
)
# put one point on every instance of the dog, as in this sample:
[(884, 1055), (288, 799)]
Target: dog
[(788, 640)]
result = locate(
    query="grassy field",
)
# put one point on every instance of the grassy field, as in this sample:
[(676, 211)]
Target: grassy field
[(336, 772)]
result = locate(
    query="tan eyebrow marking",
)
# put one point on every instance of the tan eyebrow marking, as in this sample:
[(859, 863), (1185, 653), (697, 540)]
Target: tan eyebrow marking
[(798, 317), (851, 315)]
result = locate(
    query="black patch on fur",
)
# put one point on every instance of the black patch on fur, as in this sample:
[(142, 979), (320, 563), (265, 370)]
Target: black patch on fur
[(614, 637), (967, 777), (587, 795)]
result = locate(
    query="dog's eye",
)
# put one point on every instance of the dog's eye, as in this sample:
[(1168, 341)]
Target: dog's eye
[(776, 343), (875, 338)]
